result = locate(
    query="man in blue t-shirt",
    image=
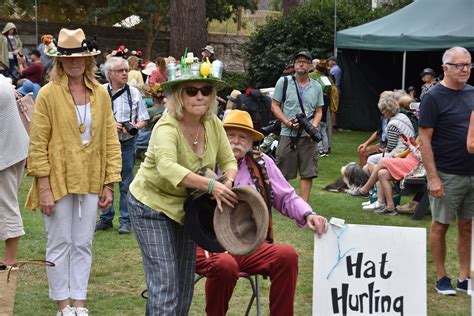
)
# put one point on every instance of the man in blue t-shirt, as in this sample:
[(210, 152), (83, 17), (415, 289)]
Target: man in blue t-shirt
[(296, 152), (444, 121)]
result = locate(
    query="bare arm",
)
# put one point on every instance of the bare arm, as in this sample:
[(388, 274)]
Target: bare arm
[(45, 195), (318, 114), (435, 186), (222, 193), (279, 113), (470, 135), (371, 139)]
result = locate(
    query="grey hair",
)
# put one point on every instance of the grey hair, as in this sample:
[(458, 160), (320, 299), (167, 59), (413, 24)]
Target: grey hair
[(113, 63), (448, 54), (389, 104)]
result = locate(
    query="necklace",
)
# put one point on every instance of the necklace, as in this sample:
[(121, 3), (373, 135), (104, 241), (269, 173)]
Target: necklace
[(195, 142), (82, 126)]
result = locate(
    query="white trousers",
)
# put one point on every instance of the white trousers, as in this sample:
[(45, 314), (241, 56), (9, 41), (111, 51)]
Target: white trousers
[(69, 233)]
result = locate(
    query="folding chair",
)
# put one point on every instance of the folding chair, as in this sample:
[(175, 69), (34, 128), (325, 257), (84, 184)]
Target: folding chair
[(253, 280)]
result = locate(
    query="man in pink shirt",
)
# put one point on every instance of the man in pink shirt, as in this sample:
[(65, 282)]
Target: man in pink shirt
[(279, 262)]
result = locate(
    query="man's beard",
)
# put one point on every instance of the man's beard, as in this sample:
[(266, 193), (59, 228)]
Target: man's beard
[(302, 72)]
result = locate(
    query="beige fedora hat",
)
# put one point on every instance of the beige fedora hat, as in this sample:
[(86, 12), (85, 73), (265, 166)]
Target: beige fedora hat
[(73, 43), (241, 230)]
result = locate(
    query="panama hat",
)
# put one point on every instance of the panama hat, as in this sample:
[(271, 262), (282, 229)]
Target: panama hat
[(242, 229), (209, 48), (185, 74), (73, 43), (241, 120)]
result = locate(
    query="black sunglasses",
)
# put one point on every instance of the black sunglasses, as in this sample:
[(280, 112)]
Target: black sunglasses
[(193, 91)]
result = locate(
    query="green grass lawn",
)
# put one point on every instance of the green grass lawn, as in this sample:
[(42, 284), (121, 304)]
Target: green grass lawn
[(117, 277)]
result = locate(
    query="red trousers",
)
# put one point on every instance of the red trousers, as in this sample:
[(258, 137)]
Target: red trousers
[(279, 262)]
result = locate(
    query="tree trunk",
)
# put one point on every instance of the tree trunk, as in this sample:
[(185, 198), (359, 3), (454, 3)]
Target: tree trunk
[(150, 37), (188, 27), (288, 5)]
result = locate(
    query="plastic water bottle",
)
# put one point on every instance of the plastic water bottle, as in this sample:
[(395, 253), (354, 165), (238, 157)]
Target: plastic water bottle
[(216, 69), (171, 68)]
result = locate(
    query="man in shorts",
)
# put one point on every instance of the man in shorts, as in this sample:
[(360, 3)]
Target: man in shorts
[(296, 152), (444, 121)]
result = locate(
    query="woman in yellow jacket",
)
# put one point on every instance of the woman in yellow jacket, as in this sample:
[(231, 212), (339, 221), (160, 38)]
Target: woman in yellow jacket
[(74, 156)]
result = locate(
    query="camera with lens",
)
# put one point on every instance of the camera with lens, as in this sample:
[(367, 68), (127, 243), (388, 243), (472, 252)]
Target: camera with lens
[(309, 128), (130, 128), (273, 126)]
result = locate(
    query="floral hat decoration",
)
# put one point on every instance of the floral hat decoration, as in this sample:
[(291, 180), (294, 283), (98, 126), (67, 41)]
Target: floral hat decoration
[(156, 91), (190, 69)]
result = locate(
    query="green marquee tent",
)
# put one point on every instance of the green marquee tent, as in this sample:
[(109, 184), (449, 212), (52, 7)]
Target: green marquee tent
[(389, 53)]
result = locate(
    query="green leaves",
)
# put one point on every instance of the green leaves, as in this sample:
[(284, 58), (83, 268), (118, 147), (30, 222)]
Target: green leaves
[(310, 26)]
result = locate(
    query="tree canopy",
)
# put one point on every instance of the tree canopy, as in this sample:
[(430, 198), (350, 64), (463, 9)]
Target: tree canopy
[(309, 27)]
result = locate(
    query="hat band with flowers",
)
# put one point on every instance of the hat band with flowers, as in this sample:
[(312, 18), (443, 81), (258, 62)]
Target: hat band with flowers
[(190, 70)]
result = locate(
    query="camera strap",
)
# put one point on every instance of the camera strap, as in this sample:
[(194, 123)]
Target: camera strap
[(118, 94), (300, 102), (299, 96)]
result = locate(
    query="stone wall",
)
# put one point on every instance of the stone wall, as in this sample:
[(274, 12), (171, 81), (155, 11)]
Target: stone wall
[(227, 47)]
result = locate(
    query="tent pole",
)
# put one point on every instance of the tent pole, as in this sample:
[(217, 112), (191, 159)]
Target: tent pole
[(404, 69)]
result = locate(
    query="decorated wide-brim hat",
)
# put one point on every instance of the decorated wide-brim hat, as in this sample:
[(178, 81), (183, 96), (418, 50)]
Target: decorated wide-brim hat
[(73, 43), (194, 72), (242, 229)]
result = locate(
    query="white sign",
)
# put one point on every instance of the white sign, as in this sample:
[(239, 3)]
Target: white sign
[(370, 270)]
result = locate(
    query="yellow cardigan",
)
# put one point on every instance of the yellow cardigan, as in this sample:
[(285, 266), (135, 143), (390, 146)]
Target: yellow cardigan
[(56, 148)]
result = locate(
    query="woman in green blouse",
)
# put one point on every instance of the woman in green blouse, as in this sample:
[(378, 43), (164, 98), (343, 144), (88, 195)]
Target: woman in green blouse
[(187, 138)]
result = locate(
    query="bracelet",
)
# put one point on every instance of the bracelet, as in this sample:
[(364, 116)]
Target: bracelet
[(210, 185)]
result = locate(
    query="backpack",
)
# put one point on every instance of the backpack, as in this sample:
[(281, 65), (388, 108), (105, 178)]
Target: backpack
[(258, 106)]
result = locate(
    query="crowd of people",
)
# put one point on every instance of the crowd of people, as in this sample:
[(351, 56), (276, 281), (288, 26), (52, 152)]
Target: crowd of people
[(83, 140)]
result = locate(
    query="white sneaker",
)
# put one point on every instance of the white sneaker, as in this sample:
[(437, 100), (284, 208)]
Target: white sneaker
[(82, 311), (373, 206), (67, 311), (366, 203)]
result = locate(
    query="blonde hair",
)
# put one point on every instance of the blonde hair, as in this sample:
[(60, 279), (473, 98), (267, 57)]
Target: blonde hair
[(175, 104), (386, 94), (57, 70), (404, 101), (133, 62), (398, 94)]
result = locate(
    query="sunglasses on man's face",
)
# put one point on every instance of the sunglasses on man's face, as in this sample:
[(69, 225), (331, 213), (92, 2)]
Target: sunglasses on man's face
[(193, 91)]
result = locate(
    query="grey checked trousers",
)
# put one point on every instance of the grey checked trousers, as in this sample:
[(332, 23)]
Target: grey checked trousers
[(168, 260)]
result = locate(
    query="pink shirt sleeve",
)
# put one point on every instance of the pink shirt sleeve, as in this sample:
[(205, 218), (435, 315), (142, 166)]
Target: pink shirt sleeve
[(285, 199)]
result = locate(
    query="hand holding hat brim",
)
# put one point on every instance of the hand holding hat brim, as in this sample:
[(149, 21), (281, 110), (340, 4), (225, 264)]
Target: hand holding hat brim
[(242, 229)]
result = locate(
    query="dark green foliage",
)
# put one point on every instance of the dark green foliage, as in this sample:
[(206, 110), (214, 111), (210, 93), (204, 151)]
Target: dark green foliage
[(233, 81), (221, 10), (311, 27)]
